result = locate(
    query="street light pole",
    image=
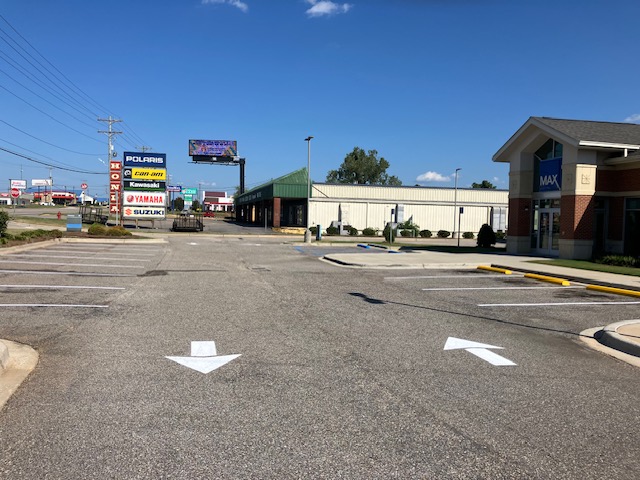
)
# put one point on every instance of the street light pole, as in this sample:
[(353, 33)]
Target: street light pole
[(455, 203), (307, 232)]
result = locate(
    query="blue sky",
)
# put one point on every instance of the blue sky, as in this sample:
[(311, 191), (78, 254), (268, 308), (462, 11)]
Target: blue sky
[(432, 85)]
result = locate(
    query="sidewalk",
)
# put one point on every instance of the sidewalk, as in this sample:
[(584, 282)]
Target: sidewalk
[(623, 337)]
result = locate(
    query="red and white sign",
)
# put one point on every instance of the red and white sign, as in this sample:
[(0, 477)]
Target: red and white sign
[(144, 212), (15, 193), (84, 186), (152, 199), (21, 184)]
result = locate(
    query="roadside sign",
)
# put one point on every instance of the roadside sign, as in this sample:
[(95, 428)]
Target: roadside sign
[(15, 193), (84, 186)]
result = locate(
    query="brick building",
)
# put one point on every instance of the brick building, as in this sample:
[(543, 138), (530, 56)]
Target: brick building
[(574, 188)]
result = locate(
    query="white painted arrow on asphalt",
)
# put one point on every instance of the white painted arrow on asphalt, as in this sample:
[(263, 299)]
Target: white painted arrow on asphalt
[(479, 350), (204, 357)]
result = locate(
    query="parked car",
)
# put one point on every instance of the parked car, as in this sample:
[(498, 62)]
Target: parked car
[(209, 213)]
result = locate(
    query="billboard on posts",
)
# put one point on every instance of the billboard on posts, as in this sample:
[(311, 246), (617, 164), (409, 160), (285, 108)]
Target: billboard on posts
[(213, 148)]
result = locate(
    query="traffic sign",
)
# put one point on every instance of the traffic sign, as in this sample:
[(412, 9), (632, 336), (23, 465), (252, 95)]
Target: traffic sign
[(84, 186), (15, 193)]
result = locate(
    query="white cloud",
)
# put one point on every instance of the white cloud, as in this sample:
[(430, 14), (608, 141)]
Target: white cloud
[(635, 118), (432, 177), (326, 7), (236, 3)]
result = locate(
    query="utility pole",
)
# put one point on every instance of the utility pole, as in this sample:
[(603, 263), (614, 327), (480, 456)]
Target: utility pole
[(144, 148), (110, 133)]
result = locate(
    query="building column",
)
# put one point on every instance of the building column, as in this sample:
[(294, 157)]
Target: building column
[(277, 205), (577, 211), (520, 194)]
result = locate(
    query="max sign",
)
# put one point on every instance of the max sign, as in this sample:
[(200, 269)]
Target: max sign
[(550, 178)]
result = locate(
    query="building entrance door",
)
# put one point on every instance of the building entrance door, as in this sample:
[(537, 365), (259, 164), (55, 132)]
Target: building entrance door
[(549, 232)]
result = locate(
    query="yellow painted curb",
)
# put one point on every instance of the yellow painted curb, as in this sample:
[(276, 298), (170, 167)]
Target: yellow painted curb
[(619, 291), (494, 269), (560, 281)]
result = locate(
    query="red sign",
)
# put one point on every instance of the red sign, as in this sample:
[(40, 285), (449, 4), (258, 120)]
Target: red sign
[(84, 186), (15, 193)]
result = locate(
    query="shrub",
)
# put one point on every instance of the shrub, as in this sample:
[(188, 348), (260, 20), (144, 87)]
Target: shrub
[(332, 231), (369, 232), (408, 233), (352, 231), (468, 235), (313, 230), (486, 236), (386, 232), (4, 221), (97, 229), (619, 261), (426, 233), (409, 226), (443, 233), (500, 235), (118, 231)]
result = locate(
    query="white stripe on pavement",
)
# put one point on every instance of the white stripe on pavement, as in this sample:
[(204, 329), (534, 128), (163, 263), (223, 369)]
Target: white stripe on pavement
[(496, 288), (84, 274), (77, 257), (62, 286), (73, 264), (560, 304), (62, 305)]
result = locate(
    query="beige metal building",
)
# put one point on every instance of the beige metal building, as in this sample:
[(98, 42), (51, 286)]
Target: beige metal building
[(431, 208)]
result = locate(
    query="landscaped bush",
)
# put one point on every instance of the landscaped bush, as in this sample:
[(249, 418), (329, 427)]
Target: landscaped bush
[(426, 233), (4, 221), (352, 231), (97, 229), (333, 231), (443, 233), (486, 236), (500, 235), (620, 261), (468, 235), (409, 226), (118, 231), (386, 232), (369, 232), (313, 230)]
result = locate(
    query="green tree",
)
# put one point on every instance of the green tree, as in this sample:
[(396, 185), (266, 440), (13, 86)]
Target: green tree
[(195, 206), (178, 204), (362, 168), (483, 184)]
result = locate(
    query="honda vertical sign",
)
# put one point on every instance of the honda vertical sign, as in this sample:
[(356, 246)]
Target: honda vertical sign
[(115, 186)]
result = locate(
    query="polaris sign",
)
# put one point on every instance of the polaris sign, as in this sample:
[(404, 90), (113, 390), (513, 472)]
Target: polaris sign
[(550, 176), (135, 159)]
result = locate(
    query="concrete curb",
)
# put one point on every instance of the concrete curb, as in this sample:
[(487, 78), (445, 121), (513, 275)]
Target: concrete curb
[(588, 338), (610, 337), (20, 361), (53, 241)]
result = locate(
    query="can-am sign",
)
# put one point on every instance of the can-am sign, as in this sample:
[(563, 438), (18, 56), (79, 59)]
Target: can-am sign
[(135, 159), (146, 199)]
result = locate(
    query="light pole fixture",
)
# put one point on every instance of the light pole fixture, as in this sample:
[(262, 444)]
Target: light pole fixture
[(307, 232), (455, 203)]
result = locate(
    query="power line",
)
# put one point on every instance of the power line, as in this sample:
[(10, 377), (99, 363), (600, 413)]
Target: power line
[(48, 143), (86, 172)]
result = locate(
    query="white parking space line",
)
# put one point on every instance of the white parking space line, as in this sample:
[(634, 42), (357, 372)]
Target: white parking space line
[(559, 304), (83, 274), (72, 264), (464, 275), (56, 287), (77, 257), (61, 305), (497, 288), (101, 252)]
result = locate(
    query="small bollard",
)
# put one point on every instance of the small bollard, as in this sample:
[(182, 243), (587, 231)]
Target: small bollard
[(59, 215), (319, 233)]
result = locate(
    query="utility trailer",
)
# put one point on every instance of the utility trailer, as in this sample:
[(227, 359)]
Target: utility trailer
[(188, 222), (92, 214)]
